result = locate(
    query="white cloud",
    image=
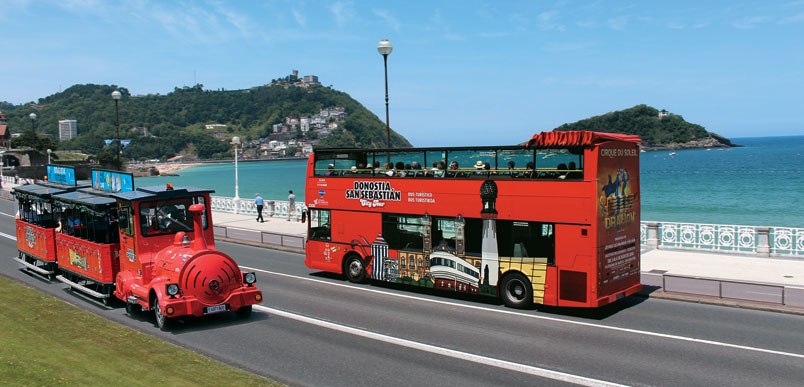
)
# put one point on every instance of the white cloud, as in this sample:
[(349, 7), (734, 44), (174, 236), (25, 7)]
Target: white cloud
[(388, 18), (750, 22), (792, 19), (675, 26), (547, 21), (342, 11), (618, 23), (299, 18)]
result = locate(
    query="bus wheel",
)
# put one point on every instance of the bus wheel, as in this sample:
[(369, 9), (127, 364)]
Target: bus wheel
[(516, 291), (355, 271), (161, 320), (244, 312)]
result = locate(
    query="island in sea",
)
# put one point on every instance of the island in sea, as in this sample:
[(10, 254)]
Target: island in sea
[(658, 129)]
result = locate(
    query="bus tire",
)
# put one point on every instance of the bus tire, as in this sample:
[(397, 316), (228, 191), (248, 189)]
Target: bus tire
[(353, 269), (516, 291)]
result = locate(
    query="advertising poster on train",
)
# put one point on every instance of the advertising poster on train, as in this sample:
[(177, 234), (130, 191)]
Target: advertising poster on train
[(618, 215), (112, 181), (64, 175)]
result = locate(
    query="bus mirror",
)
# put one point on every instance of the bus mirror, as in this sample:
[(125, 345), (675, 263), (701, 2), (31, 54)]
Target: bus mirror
[(304, 216)]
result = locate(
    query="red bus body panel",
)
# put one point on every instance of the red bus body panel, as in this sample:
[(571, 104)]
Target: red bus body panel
[(36, 242)]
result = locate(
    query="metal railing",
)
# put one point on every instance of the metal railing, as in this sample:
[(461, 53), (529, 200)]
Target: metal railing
[(294, 242), (760, 240)]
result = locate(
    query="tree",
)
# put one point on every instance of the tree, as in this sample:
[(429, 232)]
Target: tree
[(30, 139)]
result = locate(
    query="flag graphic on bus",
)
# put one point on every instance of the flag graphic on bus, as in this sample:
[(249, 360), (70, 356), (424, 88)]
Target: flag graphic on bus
[(379, 249)]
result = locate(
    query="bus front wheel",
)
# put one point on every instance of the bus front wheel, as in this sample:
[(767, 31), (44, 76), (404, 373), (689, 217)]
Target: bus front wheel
[(516, 291), (354, 270)]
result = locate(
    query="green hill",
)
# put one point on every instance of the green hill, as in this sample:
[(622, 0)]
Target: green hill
[(668, 132), (176, 121)]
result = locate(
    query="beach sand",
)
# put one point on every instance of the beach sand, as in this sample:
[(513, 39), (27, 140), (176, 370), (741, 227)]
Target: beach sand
[(173, 168)]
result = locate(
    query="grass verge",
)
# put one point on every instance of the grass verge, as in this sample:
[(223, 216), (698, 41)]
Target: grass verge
[(45, 341)]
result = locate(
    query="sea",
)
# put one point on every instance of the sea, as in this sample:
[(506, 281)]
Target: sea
[(760, 183)]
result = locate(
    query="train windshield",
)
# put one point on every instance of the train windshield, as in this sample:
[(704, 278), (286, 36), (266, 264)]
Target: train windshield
[(170, 216)]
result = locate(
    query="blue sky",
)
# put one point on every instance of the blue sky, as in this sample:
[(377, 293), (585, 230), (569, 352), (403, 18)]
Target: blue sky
[(461, 73)]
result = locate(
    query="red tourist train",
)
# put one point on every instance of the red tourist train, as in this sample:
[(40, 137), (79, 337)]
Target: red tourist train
[(152, 248), (554, 221)]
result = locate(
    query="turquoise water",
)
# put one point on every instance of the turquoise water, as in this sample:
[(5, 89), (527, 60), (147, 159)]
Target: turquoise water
[(760, 184)]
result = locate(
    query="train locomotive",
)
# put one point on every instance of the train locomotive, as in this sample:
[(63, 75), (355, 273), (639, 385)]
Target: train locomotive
[(152, 248)]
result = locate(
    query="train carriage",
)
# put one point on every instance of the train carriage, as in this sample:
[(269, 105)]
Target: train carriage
[(152, 247), (36, 222)]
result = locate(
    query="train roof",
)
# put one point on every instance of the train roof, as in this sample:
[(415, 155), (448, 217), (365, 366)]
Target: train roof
[(42, 189), (160, 192), (86, 197)]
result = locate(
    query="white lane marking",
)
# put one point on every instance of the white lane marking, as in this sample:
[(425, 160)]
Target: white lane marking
[(4, 235), (10, 216), (545, 318), (489, 361)]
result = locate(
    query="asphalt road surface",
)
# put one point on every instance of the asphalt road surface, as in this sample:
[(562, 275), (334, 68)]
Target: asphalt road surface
[(316, 329)]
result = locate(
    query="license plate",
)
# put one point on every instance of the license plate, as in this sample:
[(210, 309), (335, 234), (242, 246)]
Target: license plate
[(620, 295), (216, 309)]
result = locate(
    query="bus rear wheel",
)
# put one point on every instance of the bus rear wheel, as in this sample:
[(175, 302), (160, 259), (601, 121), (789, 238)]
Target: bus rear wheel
[(516, 291), (354, 270)]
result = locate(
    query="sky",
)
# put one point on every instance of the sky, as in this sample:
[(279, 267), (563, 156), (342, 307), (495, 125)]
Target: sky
[(461, 72)]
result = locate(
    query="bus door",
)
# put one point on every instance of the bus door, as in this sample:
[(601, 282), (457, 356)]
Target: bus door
[(322, 254)]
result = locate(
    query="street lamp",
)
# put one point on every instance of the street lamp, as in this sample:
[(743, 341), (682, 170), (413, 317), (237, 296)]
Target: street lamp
[(48, 155), (2, 164), (116, 97), (385, 48), (33, 118), (236, 142)]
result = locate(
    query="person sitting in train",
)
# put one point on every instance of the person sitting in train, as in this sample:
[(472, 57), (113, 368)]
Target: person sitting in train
[(562, 171), (28, 214), (574, 173)]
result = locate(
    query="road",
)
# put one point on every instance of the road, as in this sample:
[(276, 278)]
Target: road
[(316, 329)]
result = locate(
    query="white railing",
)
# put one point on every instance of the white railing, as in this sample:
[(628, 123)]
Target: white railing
[(760, 240), (272, 208)]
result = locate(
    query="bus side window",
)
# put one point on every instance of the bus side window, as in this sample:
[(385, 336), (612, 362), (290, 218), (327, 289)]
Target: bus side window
[(320, 226), (127, 221)]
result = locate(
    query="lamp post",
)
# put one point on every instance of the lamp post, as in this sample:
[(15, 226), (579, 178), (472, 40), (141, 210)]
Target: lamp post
[(48, 155), (116, 97), (33, 118), (2, 164), (385, 48), (236, 142)]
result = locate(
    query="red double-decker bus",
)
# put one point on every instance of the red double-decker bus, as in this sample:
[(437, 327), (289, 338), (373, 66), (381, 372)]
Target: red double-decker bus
[(553, 222)]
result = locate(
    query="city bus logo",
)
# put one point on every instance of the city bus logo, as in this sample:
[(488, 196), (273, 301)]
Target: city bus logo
[(30, 236), (373, 193)]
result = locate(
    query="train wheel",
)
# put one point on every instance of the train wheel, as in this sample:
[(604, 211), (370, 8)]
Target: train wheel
[(132, 309), (355, 271), (161, 320), (244, 312), (516, 291)]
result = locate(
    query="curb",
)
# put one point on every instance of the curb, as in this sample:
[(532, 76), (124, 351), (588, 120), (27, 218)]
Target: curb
[(663, 295), (262, 245)]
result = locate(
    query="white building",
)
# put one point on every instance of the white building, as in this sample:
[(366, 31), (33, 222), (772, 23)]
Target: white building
[(67, 129), (304, 124)]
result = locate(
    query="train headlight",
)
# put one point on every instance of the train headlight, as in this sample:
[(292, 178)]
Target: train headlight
[(172, 289), (250, 278)]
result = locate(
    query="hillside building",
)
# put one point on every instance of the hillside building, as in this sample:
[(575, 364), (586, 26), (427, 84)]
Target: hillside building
[(5, 135), (68, 129)]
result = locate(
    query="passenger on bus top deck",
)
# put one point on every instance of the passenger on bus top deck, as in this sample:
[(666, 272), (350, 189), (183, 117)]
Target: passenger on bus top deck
[(529, 167), (562, 171), (330, 170), (453, 165), (389, 169), (435, 166), (441, 166), (479, 168)]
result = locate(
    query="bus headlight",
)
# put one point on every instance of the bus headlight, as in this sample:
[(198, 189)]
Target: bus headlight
[(249, 278), (172, 289)]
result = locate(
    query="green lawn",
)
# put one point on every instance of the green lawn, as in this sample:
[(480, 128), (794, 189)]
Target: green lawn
[(44, 341)]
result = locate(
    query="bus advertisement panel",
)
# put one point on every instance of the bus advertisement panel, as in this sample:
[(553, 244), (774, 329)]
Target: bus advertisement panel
[(618, 216)]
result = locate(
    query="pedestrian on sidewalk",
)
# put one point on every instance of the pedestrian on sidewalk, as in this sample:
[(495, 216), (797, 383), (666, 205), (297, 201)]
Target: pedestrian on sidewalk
[(259, 202), (291, 204)]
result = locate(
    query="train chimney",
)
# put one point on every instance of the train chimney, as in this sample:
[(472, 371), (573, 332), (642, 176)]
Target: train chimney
[(198, 233)]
